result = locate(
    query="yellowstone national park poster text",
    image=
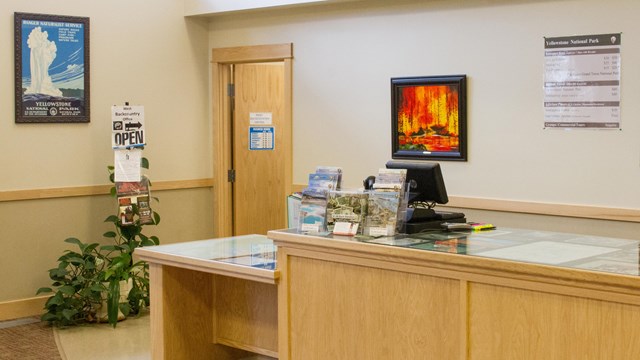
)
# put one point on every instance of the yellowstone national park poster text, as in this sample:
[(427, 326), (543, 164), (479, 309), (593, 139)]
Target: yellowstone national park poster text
[(52, 68)]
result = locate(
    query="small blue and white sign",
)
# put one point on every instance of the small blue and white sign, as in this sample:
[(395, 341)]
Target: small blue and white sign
[(261, 137)]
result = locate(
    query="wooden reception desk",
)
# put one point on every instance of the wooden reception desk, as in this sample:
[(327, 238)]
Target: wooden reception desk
[(213, 299), (504, 294)]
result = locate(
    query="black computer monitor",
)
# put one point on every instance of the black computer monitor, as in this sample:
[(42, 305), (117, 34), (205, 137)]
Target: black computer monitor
[(425, 179)]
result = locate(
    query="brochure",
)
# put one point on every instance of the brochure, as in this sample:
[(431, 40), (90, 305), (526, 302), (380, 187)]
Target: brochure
[(346, 210)]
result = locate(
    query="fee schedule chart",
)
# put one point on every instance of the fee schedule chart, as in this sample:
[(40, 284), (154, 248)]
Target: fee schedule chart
[(582, 81)]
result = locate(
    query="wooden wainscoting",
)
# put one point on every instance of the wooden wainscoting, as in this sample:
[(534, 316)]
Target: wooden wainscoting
[(33, 306)]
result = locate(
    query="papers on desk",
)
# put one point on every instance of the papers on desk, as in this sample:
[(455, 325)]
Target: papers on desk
[(394, 241), (263, 256), (611, 266), (547, 252), (251, 261)]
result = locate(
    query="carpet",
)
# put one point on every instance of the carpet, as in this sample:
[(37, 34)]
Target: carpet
[(27, 340)]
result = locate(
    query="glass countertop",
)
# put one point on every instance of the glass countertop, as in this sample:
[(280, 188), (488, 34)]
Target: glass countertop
[(256, 251), (595, 253)]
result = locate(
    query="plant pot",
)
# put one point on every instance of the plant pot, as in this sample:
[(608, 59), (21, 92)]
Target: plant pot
[(101, 313)]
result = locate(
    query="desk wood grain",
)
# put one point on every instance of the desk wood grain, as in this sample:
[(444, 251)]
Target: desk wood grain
[(342, 299)]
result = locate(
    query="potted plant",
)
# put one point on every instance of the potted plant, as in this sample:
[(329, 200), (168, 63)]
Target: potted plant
[(90, 278)]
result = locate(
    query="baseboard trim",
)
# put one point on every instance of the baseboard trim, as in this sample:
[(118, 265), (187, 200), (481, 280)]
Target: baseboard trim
[(16, 309)]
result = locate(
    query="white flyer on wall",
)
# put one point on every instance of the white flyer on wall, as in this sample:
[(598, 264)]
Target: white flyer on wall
[(127, 165), (582, 81)]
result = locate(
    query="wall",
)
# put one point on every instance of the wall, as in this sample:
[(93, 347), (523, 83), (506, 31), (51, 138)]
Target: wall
[(345, 54), (145, 54), (200, 7)]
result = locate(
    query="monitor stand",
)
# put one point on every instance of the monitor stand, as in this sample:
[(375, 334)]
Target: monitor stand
[(422, 214), (424, 219)]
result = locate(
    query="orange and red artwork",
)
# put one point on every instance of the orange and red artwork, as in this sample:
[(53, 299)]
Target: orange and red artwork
[(428, 117)]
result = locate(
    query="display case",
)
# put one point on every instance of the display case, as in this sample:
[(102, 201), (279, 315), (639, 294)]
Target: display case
[(495, 294), (213, 299), (596, 253), (500, 294)]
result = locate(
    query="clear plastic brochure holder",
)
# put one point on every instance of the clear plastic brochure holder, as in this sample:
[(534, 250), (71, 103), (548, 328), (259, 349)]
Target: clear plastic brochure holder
[(402, 209), (313, 211), (387, 211)]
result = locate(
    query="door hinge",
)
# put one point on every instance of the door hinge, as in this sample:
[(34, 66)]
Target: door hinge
[(231, 90), (231, 175)]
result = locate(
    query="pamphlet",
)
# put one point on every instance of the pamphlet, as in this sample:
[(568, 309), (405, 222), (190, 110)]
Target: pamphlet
[(390, 179), (313, 209), (346, 211), (331, 170), (313, 205), (133, 202), (382, 213), (325, 181)]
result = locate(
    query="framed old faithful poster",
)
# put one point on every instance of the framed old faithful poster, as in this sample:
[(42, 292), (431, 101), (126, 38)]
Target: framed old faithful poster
[(51, 69), (428, 118)]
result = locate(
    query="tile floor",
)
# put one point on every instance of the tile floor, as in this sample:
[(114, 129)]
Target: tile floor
[(18, 322), (130, 340)]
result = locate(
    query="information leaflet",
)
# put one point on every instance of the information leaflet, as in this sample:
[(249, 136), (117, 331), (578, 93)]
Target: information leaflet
[(261, 137), (582, 81)]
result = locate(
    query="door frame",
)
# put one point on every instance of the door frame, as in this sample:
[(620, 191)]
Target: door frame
[(221, 60)]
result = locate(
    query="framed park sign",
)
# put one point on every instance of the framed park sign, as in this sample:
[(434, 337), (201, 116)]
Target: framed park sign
[(429, 118), (51, 68)]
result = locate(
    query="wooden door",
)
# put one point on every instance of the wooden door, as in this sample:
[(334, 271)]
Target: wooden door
[(263, 177), (259, 197)]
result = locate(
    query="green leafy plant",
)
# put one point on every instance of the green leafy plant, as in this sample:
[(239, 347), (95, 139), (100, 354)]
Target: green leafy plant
[(78, 290), (88, 277)]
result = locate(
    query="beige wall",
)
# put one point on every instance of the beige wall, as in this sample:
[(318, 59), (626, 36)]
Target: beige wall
[(149, 54), (142, 52), (345, 55), (574, 225), (208, 7), (146, 55)]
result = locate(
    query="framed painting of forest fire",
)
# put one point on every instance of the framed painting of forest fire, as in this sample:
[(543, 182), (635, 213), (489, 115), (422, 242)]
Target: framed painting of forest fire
[(428, 118)]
